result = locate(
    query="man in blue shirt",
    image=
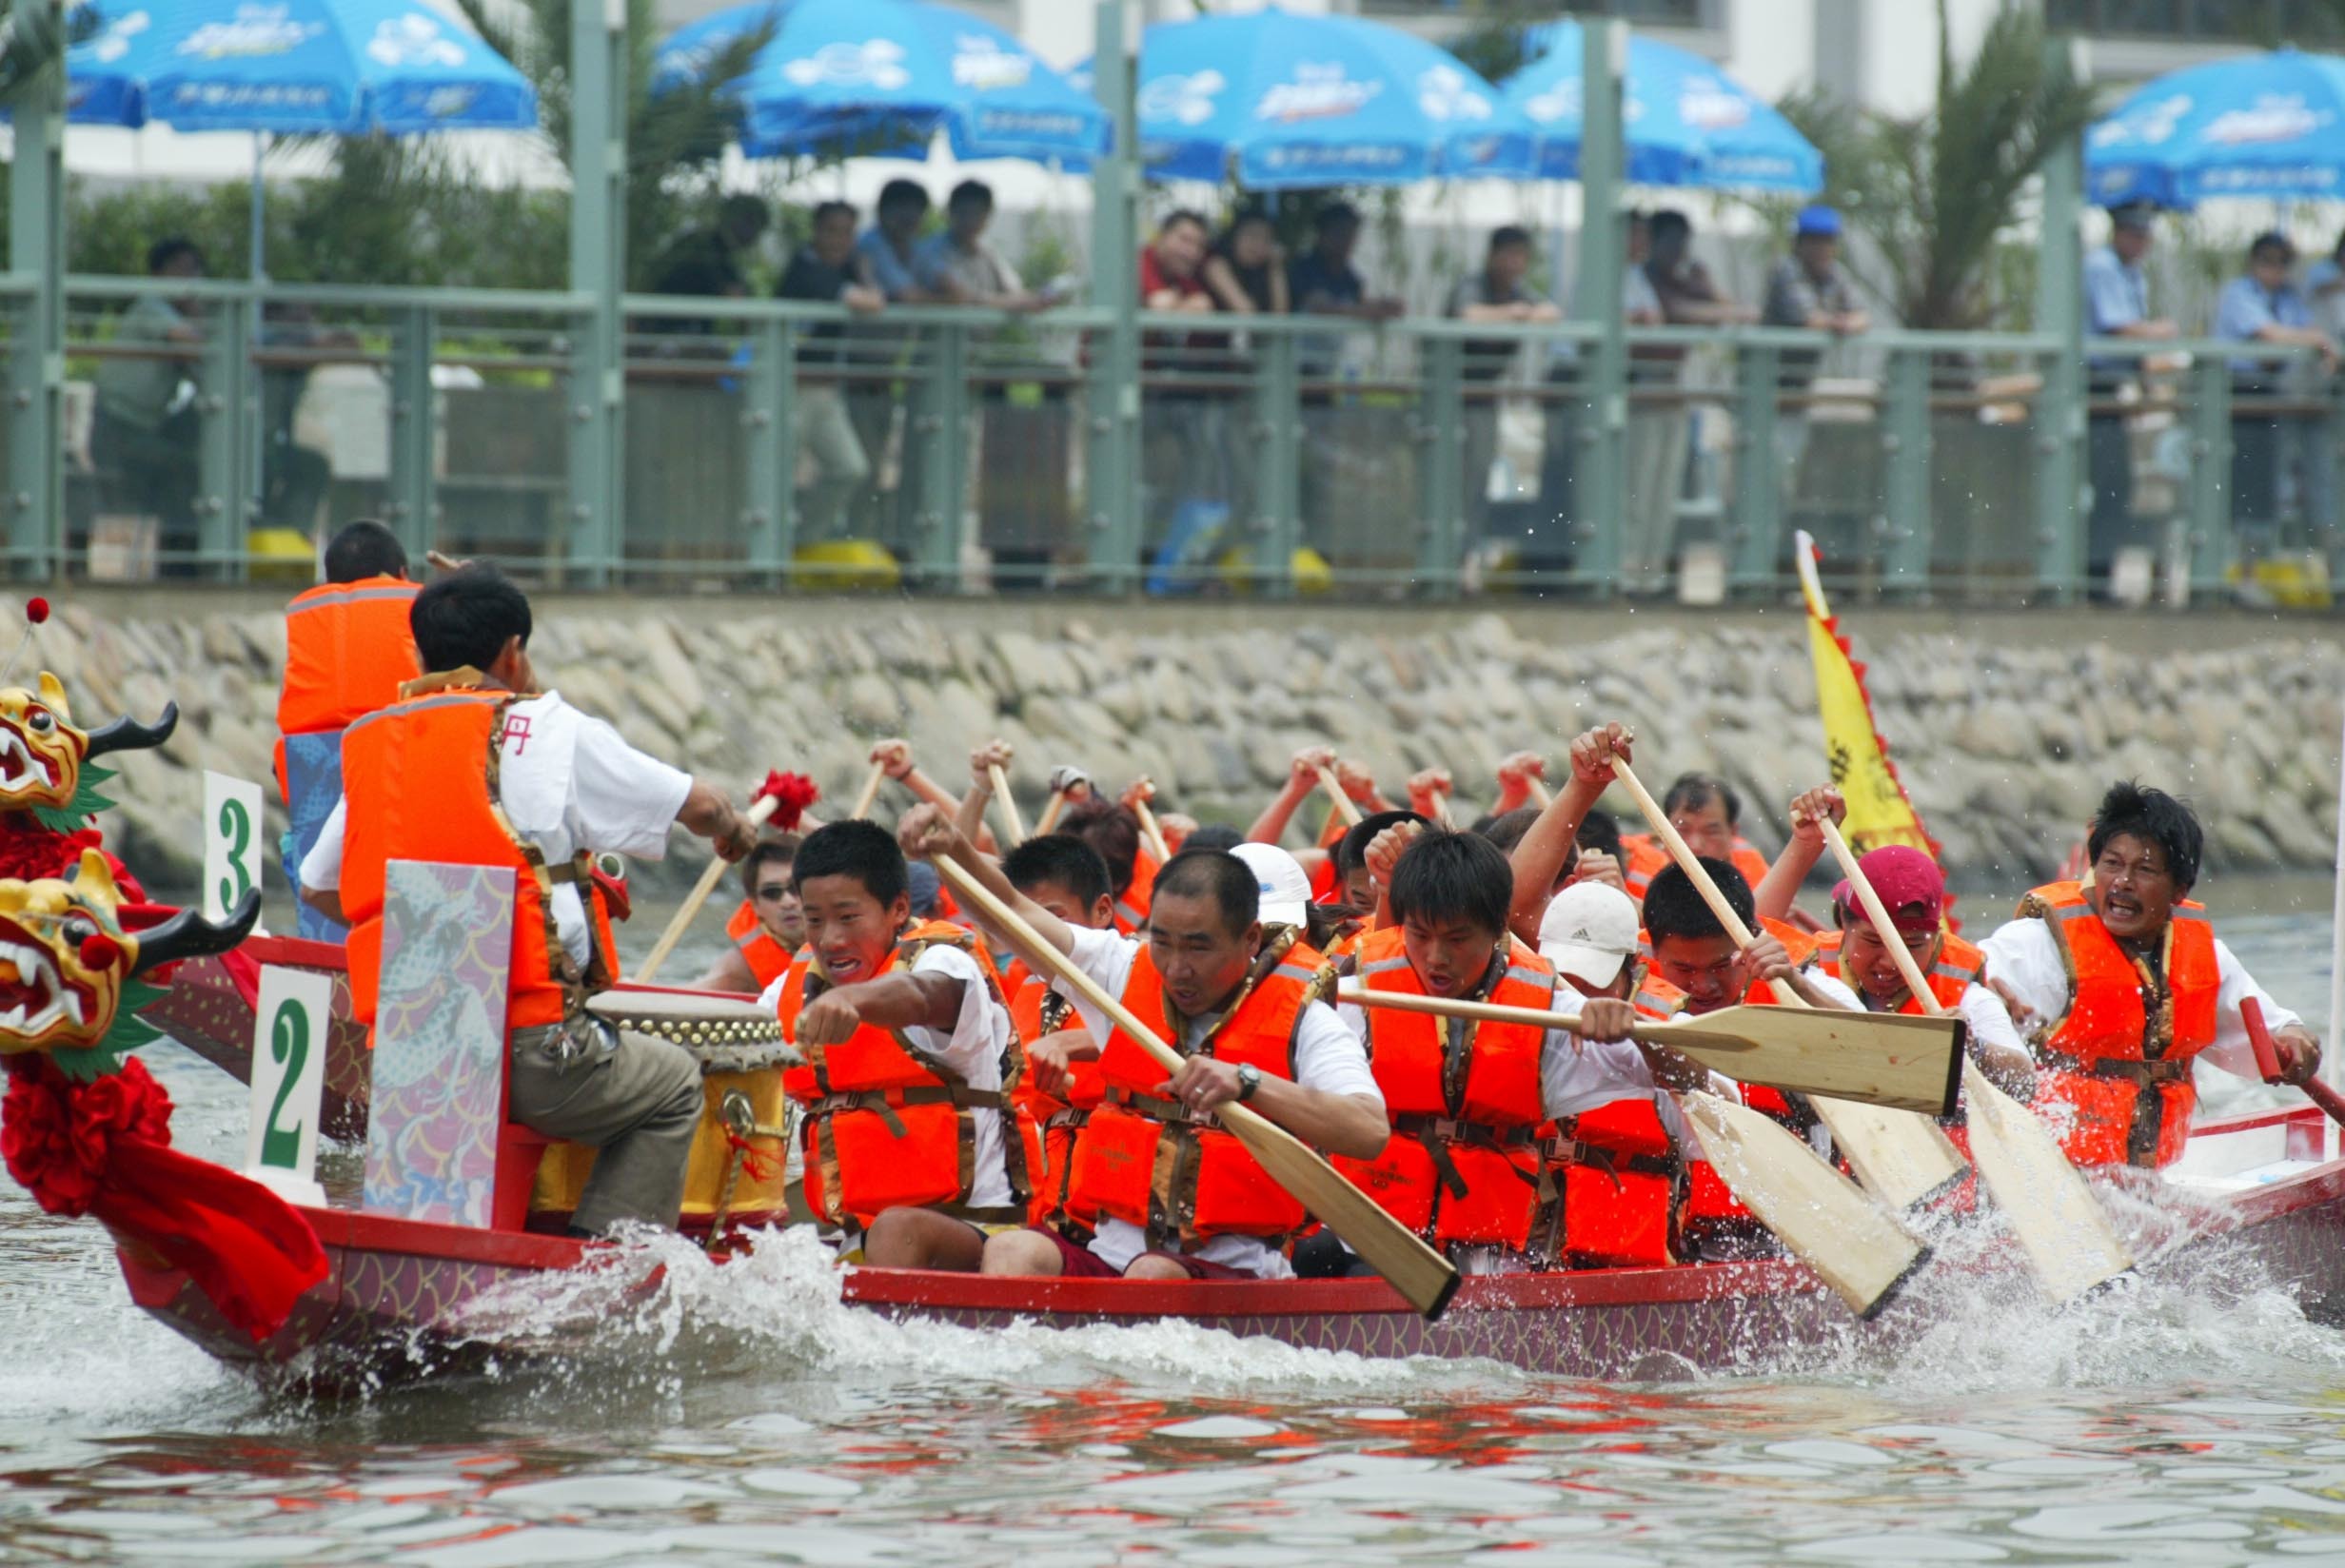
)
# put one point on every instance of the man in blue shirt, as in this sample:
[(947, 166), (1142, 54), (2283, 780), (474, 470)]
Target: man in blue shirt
[(2265, 305), (2116, 304)]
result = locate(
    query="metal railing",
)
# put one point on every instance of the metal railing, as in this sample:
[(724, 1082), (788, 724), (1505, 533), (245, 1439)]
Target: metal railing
[(771, 443)]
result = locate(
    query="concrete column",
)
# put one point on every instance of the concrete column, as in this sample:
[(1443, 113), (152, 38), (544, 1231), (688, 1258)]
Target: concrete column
[(35, 502), (1600, 488), (597, 268)]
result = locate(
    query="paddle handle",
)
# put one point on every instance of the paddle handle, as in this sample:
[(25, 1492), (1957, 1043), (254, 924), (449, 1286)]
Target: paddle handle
[(1682, 854), (1151, 831), (1541, 795), (1493, 1012), (1878, 913), (1344, 807), (1009, 806), (760, 810), (871, 793), (1050, 809), (2268, 1062)]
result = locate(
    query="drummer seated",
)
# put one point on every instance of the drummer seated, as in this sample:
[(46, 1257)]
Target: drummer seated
[(908, 1048), (1243, 1009)]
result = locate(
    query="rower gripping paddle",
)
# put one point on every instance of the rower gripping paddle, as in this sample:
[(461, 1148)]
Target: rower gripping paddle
[(1344, 807), (2268, 1062), (760, 810), (1424, 1279)]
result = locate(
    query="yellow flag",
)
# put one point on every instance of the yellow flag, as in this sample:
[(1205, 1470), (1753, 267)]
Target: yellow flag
[(1879, 812)]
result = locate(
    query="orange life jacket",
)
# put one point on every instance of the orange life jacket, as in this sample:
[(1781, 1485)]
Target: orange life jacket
[(1950, 976), (421, 776), (887, 1124), (1708, 1201), (1145, 1159), (1463, 1164), (1623, 1179), (2130, 1025), (1048, 1121), (766, 957), (1132, 905), (1646, 856), (347, 651)]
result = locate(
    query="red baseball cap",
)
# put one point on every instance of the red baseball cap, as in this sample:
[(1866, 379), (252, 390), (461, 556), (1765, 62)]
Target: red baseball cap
[(1912, 889)]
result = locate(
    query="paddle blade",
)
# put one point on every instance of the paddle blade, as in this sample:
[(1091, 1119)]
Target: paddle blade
[(1850, 1241), (1879, 1058), (1424, 1279), (2068, 1238), (1900, 1156)]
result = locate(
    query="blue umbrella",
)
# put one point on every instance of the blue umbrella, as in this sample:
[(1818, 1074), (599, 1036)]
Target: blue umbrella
[(1687, 123), (294, 66), (883, 76), (1299, 101), (2259, 125)]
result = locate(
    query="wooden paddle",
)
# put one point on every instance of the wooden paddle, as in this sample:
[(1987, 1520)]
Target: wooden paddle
[(2066, 1235), (1009, 806), (871, 793), (1050, 809), (1904, 1159), (1540, 796), (760, 810), (2268, 1062), (1424, 1279), (1151, 831), (1824, 1051), (1344, 807)]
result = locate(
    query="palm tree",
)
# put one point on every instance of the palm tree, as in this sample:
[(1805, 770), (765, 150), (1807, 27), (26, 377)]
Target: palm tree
[(31, 39)]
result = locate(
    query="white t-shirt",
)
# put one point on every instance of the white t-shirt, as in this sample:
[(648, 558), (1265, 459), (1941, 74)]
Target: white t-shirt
[(2025, 955), (568, 784), (1327, 1057)]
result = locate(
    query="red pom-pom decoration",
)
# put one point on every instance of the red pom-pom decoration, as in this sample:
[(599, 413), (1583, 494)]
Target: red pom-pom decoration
[(100, 951), (791, 794), (36, 608)]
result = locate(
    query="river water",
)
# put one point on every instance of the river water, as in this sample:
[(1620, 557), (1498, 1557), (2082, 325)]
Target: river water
[(747, 1416)]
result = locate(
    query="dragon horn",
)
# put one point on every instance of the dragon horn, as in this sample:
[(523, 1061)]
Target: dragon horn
[(128, 734), (188, 934)]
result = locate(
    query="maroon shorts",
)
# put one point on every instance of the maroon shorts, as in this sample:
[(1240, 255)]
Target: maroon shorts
[(1080, 1263)]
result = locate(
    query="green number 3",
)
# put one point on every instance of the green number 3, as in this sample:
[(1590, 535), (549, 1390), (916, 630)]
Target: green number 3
[(236, 826), (288, 1043)]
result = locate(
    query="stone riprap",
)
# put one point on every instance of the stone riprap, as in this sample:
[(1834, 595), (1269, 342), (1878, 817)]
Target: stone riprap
[(2005, 727)]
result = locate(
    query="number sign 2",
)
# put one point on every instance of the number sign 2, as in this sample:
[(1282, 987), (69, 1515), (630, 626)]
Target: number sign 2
[(231, 842), (289, 1079)]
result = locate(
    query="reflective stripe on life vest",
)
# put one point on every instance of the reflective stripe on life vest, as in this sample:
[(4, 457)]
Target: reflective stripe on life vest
[(347, 650)]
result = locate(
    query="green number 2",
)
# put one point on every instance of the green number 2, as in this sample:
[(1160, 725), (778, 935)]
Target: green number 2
[(288, 1043), (236, 826)]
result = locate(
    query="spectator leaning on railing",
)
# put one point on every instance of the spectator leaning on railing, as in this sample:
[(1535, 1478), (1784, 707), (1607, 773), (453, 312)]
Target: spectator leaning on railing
[(2116, 304), (826, 268), (960, 264), (1323, 281), (1500, 292), (1186, 475), (889, 249), (1807, 290), (1246, 269), (1687, 296), (147, 428), (2265, 305)]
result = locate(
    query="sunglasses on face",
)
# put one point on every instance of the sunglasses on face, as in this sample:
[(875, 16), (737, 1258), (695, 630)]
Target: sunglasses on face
[(774, 892)]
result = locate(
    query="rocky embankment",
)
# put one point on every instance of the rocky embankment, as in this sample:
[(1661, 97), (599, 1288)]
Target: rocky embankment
[(2006, 728)]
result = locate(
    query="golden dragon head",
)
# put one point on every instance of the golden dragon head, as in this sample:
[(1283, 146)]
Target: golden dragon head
[(69, 974), (45, 761)]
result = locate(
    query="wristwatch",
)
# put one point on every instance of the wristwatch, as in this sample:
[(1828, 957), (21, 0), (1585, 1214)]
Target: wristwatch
[(1249, 1080)]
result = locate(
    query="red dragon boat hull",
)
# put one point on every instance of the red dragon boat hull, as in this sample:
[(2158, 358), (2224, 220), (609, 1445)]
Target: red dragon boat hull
[(392, 1305)]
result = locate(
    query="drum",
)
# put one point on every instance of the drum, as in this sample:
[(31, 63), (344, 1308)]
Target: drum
[(738, 1160)]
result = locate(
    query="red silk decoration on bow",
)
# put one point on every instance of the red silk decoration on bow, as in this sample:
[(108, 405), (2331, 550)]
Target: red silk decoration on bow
[(104, 1148), (792, 793)]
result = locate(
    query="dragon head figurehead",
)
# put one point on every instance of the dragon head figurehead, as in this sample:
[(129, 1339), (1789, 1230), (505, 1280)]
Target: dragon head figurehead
[(69, 973), (46, 763)]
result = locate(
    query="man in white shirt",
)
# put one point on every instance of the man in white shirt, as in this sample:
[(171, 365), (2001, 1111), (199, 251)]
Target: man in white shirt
[(2127, 986), (566, 784), (1214, 971)]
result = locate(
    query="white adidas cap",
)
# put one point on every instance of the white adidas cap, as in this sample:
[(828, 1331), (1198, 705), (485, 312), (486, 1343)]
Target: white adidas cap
[(1278, 876), (1590, 931)]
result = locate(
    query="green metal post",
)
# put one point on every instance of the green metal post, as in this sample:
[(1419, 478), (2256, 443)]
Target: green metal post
[(597, 269), (1278, 452), (221, 452), (771, 526), (2060, 411), (1112, 484), (942, 427), (2209, 538), (1907, 526), (1756, 529), (1441, 484), (35, 513), (1600, 487), (414, 422)]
